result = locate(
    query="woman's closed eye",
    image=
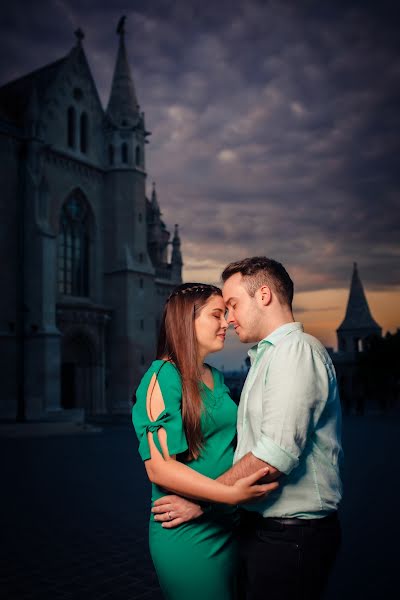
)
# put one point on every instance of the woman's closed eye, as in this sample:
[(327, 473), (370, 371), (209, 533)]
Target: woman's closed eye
[(217, 314)]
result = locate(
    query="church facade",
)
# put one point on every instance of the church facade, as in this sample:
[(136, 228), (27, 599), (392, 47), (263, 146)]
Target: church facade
[(87, 261)]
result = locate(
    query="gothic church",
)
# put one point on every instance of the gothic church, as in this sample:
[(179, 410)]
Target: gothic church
[(86, 259)]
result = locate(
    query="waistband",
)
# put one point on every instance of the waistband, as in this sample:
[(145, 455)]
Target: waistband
[(257, 520)]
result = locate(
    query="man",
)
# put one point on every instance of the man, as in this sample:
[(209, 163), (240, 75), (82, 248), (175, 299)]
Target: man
[(289, 420)]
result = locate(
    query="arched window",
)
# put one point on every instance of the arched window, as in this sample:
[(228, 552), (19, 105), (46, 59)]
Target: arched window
[(71, 127), (137, 158), (124, 153), (111, 154), (84, 130), (73, 248)]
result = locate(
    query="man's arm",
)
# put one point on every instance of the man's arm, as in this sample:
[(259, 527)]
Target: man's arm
[(298, 402), (247, 465), (182, 510), (174, 510)]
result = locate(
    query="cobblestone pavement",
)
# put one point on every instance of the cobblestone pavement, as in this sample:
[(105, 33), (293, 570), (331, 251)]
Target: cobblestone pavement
[(75, 520), (75, 510)]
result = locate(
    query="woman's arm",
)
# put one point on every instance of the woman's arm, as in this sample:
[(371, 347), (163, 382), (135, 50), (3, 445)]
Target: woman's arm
[(164, 470), (172, 475)]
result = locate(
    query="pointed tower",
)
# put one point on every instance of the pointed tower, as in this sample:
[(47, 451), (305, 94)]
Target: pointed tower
[(126, 129), (154, 201), (176, 258), (129, 276), (157, 236), (123, 106), (358, 325)]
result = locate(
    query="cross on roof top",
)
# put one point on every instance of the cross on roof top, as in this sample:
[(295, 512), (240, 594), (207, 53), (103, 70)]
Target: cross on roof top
[(79, 35)]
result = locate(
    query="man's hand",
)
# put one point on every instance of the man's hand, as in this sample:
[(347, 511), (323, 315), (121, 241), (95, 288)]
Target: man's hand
[(173, 510)]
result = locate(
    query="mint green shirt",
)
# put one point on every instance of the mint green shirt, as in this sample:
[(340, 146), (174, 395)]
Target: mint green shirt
[(289, 416)]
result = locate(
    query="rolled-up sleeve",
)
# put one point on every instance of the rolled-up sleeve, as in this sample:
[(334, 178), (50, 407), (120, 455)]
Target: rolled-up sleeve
[(294, 393)]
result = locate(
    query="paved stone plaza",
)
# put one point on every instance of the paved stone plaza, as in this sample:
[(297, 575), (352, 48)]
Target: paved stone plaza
[(75, 506)]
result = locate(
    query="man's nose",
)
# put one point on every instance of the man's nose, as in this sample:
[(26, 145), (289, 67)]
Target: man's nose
[(229, 318)]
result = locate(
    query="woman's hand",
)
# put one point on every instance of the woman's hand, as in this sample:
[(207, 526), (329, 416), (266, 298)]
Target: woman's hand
[(246, 489)]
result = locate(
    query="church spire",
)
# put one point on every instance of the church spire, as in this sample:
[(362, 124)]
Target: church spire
[(123, 106), (358, 314), (154, 201), (176, 258)]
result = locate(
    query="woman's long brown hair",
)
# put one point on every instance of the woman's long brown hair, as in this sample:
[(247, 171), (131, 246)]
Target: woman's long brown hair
[(177, 342)]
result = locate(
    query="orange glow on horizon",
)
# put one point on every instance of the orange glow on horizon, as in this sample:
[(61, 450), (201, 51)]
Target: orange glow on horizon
[(321, 311)]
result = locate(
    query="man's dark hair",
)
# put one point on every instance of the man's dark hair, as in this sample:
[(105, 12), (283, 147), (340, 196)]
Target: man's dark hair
[(260, 270)]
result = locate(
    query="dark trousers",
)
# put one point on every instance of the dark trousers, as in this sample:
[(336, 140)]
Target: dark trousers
[(286, 561)]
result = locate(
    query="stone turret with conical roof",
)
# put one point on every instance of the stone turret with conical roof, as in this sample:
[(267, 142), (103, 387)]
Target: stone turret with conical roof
[(125, 134), (130, 275), (157, 236), (176, 258), (358, 325), (126, 130), (154, 201), (123, 107)]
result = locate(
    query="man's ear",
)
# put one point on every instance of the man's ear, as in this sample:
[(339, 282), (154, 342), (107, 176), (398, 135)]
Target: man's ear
[(265, 295)]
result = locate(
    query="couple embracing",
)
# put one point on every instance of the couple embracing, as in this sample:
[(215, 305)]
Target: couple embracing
[(244, 500)]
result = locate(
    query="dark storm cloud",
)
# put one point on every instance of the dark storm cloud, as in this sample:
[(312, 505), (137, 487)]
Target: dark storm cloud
[(275, 124)]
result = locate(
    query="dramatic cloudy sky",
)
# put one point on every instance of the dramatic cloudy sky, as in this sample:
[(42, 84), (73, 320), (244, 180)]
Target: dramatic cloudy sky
[(275, 131)]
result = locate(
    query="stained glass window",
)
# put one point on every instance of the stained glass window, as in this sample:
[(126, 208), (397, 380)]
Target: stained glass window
[(73, 248)]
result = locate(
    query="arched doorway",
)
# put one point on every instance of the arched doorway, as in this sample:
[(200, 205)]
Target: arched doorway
[(78, 372)]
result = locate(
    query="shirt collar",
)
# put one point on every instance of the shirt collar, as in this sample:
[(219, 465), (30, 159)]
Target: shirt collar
[(274, 337)]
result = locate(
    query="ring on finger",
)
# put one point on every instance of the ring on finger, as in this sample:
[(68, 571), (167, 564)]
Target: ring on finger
[(169, 516)]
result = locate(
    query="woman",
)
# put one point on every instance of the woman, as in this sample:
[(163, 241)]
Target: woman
[(186, 425)]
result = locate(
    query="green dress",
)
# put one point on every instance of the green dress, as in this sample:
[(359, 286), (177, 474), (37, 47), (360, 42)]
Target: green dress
[(196, 560)]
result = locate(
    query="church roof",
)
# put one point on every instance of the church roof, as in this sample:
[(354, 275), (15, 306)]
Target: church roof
[(14, 96), (123, 106), (358, 314)]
